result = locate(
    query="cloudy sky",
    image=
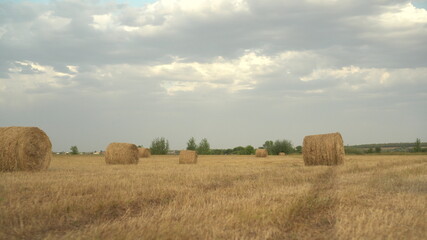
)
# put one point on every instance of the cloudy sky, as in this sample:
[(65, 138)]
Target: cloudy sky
[(236, 72)]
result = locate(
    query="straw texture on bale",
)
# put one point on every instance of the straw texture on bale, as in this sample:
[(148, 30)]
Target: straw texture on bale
[(144, 152), (261, 153), (282, 154), (24, 148), (121, 153), (323, 149), (187, 157)]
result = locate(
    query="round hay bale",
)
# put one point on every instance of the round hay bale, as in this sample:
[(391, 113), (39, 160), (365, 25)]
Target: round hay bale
[(144, 152), (121, 153), (187, 157), (261, 153), (323, 149), (24, 148), (282, 154)]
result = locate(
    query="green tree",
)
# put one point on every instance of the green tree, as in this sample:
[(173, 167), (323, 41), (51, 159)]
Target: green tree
[(249, 150), (204, 148), (159, 146), (268, 145), (282, 146), (417, 147), (298, 149), (191, 144), (353, 150), (238, 150), (377, 149), (74, 150), (370, 150)]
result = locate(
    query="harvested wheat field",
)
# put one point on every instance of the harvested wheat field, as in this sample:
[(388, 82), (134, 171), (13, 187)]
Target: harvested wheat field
[(220, 197)]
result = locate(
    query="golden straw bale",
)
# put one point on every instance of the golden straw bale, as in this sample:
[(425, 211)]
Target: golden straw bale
[(282, 154), (187, 156), (121, 153), (24, 148), (144, 152), (323, 149), (261, 153)]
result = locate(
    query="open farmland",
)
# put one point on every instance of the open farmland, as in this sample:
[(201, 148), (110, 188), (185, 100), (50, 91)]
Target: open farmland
[(220, 197)]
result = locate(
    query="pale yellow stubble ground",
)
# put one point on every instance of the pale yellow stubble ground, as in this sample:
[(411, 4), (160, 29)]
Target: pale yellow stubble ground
[(220, 197)]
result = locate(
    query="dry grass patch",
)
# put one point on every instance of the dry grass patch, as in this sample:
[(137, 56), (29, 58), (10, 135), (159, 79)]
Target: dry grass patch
[(384, 201), (221, 197)]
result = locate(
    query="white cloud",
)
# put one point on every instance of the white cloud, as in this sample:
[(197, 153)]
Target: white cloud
[(165, 15), (74, 69), (199, 7), (174, 87), (37, 67), (28, 75), (233, 75), (103, 22), (357, 78), (403, 17), (53, 22), (155, 57)]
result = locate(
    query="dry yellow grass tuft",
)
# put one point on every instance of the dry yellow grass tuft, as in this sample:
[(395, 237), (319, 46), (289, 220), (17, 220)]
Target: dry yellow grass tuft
[(221, 197)]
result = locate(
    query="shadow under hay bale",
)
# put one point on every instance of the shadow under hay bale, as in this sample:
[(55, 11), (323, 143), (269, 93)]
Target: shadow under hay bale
[(121, 153), (323, 149), (187, 157), (24, 148), (261, 153), (144, 152)]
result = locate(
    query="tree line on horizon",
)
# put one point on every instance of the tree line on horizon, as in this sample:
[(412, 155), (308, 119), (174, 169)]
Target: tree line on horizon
[(160, 146)]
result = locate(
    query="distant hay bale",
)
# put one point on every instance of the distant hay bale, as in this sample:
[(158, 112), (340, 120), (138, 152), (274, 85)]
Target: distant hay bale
[(144, 152), (187, 157), (24, 148), (121, 153), (261, 153), (282, 154), (323, 149)]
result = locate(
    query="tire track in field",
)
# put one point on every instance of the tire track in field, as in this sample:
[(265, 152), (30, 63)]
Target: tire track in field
[(313, 215)]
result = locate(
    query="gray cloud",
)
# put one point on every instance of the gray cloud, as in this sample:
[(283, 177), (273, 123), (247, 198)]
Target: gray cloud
[(237, 72)]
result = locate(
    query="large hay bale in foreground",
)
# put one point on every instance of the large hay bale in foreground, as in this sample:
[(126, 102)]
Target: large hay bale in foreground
[(121, 153), (24, 148), (261, 153), (187, 156), (323, 149), (144, 152)]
